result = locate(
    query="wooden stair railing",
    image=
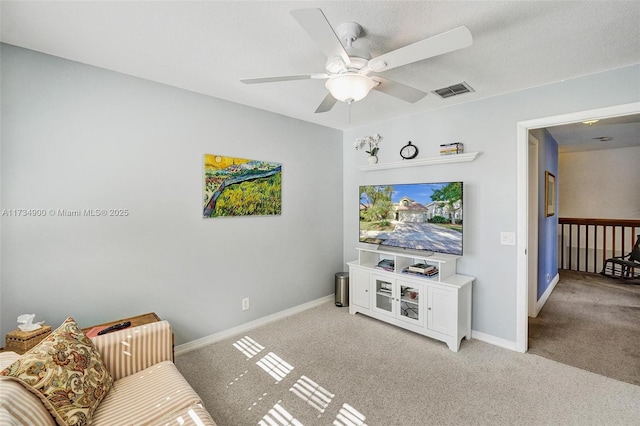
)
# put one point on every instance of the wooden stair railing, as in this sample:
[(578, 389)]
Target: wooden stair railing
[(584, 244)]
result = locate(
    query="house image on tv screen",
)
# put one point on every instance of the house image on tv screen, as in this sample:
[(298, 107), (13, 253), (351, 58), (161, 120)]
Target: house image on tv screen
[(423, 216)]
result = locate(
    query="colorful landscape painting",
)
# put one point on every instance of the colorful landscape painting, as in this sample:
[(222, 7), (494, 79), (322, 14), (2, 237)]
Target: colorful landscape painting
[(241, 187)]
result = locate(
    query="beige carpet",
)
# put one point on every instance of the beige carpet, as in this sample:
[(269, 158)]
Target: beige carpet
[(593, 323), (327, 366)]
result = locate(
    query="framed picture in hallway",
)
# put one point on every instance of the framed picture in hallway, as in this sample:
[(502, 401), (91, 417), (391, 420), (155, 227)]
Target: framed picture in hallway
[(550, 194), (241, 187)]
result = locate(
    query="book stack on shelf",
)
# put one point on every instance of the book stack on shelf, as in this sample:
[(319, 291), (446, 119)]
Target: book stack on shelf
[(385, 288), (452, 148), (386, 264), (421, 269)]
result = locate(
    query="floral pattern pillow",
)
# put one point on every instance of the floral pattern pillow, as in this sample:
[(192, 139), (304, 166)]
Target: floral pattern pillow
[(66, 372)]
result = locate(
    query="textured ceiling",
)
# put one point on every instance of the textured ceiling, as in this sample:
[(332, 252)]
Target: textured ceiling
[(208, 46), (610, 133)]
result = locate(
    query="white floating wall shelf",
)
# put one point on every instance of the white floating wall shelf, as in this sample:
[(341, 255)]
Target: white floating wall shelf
[(430, 161)]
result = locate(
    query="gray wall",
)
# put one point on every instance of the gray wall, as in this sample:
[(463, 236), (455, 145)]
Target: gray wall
[(75, 136), (79, 137), (609, 173), (490, 192)]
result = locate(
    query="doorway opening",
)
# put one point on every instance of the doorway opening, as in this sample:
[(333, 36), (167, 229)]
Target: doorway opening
[(524, 219)]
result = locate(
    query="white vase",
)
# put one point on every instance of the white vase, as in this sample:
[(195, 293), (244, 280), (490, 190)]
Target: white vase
[(372, 159)]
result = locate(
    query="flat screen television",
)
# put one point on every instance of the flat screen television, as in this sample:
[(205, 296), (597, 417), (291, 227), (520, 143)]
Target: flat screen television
[(413, 216)]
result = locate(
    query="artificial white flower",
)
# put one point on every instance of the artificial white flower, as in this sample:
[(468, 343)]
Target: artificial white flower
[(370, 141)]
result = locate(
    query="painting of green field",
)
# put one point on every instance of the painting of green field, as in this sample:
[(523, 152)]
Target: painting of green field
[(241, 187)]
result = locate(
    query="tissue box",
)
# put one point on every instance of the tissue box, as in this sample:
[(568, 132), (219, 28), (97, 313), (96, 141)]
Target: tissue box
[(19, 341)]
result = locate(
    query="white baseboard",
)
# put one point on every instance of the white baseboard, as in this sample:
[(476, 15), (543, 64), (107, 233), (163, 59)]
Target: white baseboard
[(543, 299), (216, 337), (508, 344), (493, 340)]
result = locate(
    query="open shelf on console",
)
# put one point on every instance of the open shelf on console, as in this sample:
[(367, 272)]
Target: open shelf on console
[(446, 263)]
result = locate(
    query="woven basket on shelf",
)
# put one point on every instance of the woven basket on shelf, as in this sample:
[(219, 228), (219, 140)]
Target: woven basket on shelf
[(21, 341)]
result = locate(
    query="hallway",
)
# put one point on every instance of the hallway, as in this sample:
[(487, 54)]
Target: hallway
[(591, 322)]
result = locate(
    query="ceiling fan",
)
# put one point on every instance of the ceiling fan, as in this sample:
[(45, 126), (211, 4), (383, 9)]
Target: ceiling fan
[(348, 68)]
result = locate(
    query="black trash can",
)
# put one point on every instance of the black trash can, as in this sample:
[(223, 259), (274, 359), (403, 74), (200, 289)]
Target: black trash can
[(342, 289)]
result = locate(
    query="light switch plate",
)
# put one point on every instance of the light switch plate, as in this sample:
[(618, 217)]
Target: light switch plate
[(508, 238)]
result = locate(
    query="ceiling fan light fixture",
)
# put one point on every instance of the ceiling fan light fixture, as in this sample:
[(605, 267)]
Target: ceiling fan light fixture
[(349, 87)]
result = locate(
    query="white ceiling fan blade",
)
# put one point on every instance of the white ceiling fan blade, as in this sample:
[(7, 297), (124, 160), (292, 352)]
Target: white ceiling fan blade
[(446, 42), (398, 90), (327, 103), (317, 26), (284, 78)]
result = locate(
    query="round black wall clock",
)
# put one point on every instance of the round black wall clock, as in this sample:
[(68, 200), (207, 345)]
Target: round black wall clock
[(409, 151)]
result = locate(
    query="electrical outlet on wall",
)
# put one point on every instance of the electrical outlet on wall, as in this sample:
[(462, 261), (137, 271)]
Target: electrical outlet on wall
[(508, 238), (245, 304)]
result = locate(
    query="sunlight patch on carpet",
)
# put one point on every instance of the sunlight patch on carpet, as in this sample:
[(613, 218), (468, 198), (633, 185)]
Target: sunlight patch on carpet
[(248, 346), (278, 416), (237, 378), (256, 402), (275, 366), (349, 416), (311, 392)]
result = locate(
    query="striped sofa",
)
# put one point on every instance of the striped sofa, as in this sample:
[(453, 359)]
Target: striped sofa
[(147, 390)]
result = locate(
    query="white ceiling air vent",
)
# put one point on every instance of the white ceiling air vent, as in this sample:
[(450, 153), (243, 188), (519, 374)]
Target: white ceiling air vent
[(454, 90)]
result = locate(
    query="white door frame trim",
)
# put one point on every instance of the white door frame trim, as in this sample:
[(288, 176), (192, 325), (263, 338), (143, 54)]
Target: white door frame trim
[(532, 226), (522, 181)]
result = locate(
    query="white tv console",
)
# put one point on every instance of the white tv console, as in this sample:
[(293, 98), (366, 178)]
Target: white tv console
[(438, 306)]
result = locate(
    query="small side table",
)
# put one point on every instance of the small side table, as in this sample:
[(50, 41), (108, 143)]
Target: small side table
[(135, 322), (19, 341)]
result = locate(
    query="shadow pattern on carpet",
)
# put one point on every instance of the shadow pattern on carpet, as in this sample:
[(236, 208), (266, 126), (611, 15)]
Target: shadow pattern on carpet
[(593, 323), (326, 367)]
